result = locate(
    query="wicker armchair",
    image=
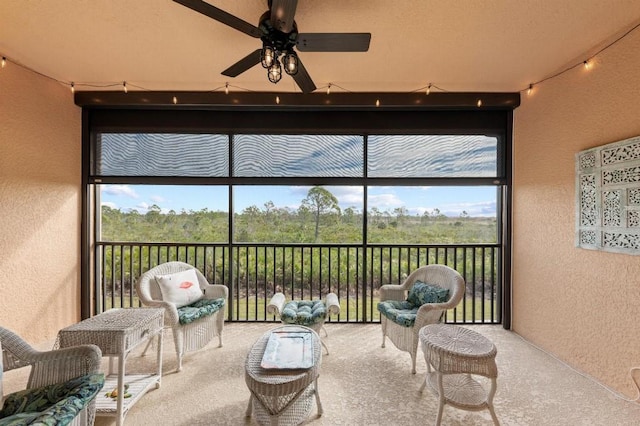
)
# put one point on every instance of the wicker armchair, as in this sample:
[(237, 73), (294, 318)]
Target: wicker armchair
[(187, 336), (403, 335), (62, 383)]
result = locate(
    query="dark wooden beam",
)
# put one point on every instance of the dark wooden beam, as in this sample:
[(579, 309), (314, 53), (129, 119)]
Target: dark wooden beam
[(298, 101)]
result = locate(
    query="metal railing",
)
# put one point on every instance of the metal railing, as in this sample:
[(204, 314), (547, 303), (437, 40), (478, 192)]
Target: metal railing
[(253, 272)]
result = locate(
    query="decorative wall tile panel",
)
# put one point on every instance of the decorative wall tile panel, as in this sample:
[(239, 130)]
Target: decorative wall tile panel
[(588, 212), (612, 211), (588, 238), (634, 197), (588, 160), (621, 240), (620, 154), (608, 197), (627, 175)]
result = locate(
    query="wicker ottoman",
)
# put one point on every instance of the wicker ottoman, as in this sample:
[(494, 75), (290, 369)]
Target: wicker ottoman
[(282, 396), (308, 313)]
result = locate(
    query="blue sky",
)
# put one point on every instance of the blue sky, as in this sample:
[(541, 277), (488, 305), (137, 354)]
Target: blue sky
[(476, 201)]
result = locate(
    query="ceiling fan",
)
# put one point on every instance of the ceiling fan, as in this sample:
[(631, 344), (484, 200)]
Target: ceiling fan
[(279, 34)]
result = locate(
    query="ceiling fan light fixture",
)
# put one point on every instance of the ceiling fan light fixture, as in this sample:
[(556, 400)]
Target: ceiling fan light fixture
[(267, 55), (278, 32), (290, 62), (275, 72)]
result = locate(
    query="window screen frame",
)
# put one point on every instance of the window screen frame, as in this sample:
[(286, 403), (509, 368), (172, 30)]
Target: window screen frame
[(495, 122)]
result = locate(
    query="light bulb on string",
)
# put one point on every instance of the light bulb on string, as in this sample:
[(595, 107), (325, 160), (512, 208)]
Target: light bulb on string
[(175, 100), (124, 87), (329, 89), (428, 91), (479, 103), (530, 89), (73, 88), (4, 62), (226, 88), (278, 100), (377, 102), (587, 64)]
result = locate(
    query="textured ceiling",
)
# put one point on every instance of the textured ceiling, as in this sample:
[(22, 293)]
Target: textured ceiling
[(458, 45)]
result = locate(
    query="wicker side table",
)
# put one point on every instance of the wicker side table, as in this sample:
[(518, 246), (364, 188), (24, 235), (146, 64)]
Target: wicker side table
[(456, 354), (282, 397), (117, 332)]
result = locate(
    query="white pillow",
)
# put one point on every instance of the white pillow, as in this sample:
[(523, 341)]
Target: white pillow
[(181, 288)]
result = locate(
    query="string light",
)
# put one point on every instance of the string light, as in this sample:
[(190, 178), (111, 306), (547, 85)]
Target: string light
[(587, 63), (175, 100), (226, 88), (278, 100)]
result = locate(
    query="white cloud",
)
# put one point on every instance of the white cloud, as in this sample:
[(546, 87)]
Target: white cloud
[(384, 201), (348, 195), (118, 190), (479, 209)]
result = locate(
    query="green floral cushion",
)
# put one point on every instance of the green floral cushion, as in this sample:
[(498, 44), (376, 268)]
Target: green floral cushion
[(55, 404), (422, 293), (304, 312), (201, 308), (399, 311)]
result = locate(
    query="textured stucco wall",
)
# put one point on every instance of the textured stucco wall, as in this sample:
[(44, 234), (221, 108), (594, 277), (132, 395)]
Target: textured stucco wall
[(579, 305), (40, 130), (583, 306)]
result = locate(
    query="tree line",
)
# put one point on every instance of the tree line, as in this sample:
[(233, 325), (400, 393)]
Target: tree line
[(318, 219)]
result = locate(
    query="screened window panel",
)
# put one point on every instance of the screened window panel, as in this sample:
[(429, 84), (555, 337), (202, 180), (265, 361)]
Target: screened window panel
[(284, 214), (298, 156), (432, 156), (432, 214), (168, 213), (154, 154)]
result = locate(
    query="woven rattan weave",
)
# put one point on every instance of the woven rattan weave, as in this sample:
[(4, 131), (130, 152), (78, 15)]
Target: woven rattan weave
[(456, 353), (50, 367), (282, 397), (116, 332)]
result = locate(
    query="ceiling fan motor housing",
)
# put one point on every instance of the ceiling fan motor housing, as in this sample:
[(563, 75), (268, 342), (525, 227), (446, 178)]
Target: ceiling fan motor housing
[(280, 41)]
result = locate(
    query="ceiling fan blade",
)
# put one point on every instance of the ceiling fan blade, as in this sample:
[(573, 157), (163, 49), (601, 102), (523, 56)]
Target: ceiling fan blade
[(243, 64), (282, 13), (333, 42), (303, 79), (221, 16)]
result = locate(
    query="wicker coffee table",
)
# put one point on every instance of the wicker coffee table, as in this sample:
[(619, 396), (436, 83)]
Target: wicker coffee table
[(116, 332), (456, 354), (282, 396)]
